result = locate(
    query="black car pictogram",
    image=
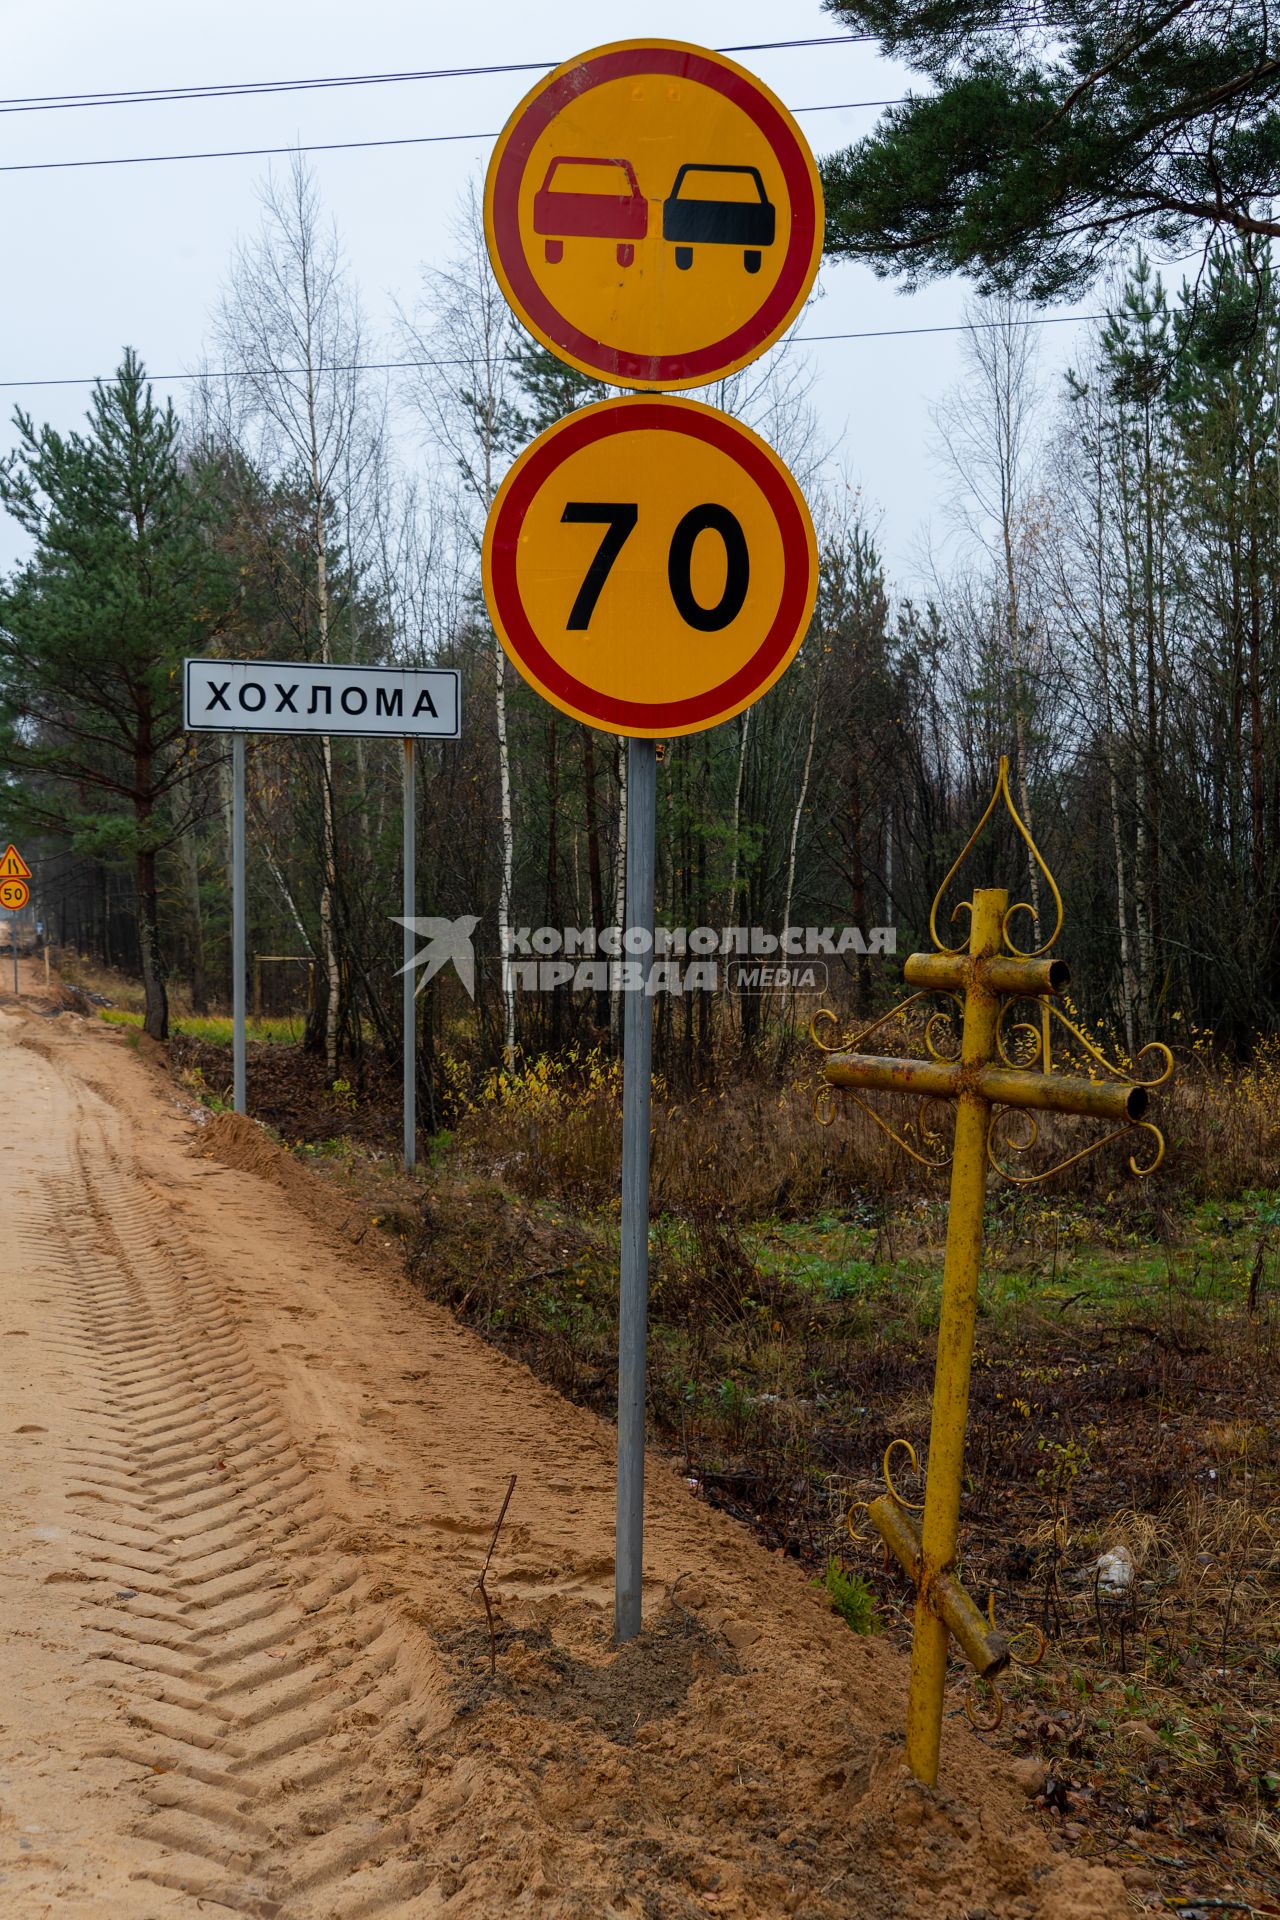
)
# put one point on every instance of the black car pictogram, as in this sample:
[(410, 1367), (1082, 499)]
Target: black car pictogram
[(694, 214)]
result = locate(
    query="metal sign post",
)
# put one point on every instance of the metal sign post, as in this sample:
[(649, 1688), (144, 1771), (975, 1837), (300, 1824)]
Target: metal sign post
[(237, 923), (14, 895), (604, 280), (409, 999), (302, 697), (633, 1287)]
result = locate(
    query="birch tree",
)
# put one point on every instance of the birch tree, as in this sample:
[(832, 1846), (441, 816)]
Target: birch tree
[(290, 329), (1082, 587), (986, 431), (465, 392)]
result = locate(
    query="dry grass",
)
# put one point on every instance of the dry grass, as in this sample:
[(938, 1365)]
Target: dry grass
[(753, 1148), (1125, 1392), (1121, 1397)]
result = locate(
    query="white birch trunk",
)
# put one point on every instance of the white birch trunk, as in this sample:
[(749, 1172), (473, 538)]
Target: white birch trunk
[(801, 797)]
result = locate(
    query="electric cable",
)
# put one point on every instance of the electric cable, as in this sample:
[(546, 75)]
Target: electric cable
[(231, 89), (325, 146), (412, 366)]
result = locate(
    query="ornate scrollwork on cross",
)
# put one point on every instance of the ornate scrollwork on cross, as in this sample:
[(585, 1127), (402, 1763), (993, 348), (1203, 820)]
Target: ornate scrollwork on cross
[(996, 1071)]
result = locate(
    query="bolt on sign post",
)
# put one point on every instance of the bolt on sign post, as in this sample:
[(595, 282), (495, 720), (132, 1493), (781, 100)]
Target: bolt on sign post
[(14, 895), (989, 1053), (654, 217), (298, 697)]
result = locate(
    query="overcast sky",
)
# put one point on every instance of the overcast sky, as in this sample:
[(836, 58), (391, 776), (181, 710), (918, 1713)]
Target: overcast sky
[(102, 256)]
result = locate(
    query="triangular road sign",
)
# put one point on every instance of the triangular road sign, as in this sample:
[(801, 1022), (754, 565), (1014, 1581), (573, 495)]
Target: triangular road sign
[(12, 865)]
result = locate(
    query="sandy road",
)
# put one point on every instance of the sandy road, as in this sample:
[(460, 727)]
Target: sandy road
[(189, 1605), (247, 1478)]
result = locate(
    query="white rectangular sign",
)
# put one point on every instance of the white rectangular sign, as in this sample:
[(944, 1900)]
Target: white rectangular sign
[(296, 696)]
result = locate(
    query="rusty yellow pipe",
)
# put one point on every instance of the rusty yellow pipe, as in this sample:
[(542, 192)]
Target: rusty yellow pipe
[(899, 1532), (947, 972), (999, 1086), (1062, 1093), (1005, 973), (984, 1646), (955, 1343), (881, 1073)]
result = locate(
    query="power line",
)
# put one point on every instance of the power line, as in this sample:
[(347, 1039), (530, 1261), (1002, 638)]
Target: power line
[(956, 326), (327, 146), (230, 89), (411, 366), (166, 96), (239, 153)]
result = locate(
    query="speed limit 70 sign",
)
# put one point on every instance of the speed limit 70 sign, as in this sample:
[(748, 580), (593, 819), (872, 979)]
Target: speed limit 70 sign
[(650, 566)]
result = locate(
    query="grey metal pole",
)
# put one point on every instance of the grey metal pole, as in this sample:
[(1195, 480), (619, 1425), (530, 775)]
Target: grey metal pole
[(237, 922), (13, 935), (410, 1002), (633, 1291)]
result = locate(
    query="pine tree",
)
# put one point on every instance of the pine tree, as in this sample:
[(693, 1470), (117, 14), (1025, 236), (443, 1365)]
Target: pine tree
[(1225, 403), (92, 633), (1052, 138)]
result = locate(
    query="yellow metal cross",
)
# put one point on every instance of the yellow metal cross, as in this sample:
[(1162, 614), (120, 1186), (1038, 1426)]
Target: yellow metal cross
[(1001, 1069)]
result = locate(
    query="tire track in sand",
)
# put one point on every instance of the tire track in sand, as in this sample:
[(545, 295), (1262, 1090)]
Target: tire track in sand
[(262, 1692)]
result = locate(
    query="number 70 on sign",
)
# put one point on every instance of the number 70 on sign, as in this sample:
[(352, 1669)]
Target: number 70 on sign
[(650, 566)]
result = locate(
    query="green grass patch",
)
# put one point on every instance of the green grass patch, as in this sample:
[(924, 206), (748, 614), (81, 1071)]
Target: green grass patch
[(842, 1264), (216, 1030)]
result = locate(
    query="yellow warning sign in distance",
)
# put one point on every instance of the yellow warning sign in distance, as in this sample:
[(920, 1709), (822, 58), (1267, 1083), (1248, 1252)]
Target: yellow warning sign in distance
[(654, 214), (12, 865)]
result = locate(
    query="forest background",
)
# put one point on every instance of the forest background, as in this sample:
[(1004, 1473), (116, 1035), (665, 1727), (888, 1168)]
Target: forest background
[(1106, 609), (1102, 605)]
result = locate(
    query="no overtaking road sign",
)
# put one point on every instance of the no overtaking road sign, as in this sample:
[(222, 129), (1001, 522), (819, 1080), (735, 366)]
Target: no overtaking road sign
[(654, 214)]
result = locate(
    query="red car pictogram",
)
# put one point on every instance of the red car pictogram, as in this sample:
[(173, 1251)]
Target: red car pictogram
[(562, 213)]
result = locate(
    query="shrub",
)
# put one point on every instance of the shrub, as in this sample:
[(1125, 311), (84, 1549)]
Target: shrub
[(851, 1598)]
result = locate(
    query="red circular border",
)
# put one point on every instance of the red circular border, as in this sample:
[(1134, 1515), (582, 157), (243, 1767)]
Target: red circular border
[(614, 362), (601, 423)]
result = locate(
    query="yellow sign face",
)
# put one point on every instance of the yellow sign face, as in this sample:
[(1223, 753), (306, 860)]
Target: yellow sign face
[(650, 566), (12, 865), (14, 895), (654, 214)]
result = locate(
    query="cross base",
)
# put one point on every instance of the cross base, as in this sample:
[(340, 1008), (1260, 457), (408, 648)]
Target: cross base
[(984, 1646)]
